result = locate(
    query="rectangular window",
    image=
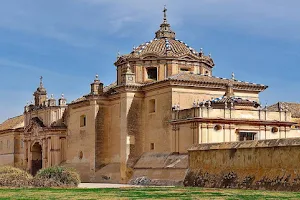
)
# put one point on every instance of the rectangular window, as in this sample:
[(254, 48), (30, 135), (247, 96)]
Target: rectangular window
[(152, 73), (1, 145), (152, 146), (82, 120), (243, 136), (151, 106), (184, 69)]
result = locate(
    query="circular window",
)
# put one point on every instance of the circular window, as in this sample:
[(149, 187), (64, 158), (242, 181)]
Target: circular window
[(217, 127), (80, 155), (274, 130)]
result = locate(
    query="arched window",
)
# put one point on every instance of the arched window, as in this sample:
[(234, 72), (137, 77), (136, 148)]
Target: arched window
[(152, 73), (82, 120)]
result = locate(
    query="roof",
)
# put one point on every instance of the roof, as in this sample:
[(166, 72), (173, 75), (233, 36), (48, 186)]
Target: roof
[(210, 79), (250, 144), (167, 47), (13, 123), (106, 89), (293, 107)]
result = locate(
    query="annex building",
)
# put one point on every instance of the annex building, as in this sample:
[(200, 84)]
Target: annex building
[(164, 100)]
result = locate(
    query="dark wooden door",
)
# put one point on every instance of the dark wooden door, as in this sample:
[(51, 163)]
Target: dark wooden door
[(36, 166)]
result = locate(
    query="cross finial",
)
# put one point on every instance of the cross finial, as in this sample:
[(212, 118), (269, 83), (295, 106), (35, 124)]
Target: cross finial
[(165, 13), (41, 81)]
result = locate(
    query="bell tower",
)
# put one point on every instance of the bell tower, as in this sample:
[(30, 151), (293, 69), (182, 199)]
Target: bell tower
[(40, 95)]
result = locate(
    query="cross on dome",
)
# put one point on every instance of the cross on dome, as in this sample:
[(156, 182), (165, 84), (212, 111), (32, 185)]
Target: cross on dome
[(165, 14), (41, 82), (165, 30)]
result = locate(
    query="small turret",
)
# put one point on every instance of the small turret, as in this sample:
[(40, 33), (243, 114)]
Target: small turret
[(97, 86), (52, 101), (62, 101)]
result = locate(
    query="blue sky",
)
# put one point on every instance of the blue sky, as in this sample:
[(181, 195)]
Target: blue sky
[(69, 41)]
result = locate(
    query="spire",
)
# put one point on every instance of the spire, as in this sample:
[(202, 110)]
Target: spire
[(165, 30), (165, 14), (41, 82)]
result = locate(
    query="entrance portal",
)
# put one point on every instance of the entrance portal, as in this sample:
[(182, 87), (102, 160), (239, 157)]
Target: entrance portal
[(36, 162)]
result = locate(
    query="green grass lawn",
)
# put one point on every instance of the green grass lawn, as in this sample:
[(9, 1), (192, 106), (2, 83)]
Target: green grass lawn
[(143, 193)]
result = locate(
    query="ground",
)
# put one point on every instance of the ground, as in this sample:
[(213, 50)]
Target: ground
[(143, 193)]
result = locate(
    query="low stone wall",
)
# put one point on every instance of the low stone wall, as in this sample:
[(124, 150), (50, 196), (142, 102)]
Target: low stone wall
[(160, 169), (265, 164)]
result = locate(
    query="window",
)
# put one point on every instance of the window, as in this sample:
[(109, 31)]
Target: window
[(8, 144), (152, 73), (152, 146), (82, 120), (22, 143), (152, 106), (1, 145), (184, 69), (246, 136)]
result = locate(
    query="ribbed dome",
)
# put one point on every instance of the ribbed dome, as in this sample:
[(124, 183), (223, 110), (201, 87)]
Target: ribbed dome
[(164, 47)]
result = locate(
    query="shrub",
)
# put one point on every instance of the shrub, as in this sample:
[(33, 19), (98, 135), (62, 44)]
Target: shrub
[(14, 177), (56, 176)]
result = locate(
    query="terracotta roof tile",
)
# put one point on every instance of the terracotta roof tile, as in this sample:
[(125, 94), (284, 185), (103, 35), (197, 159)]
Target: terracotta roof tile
[(13, 123), (210, 79), (294, 108)]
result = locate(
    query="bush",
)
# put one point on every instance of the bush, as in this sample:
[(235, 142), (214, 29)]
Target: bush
[(56, 176), (14, 177)]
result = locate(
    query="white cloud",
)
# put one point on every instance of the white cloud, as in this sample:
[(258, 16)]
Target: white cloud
[(73, 21)]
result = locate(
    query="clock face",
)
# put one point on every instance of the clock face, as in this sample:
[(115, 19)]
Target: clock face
[(130, 78)]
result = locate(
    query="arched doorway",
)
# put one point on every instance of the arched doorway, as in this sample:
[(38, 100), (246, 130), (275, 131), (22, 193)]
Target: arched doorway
[(36, 162)]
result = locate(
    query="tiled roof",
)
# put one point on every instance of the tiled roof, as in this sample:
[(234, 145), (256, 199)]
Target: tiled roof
[(105, 90), (163, 46), (13, 123), (211, 79), (294, 108), (167, 47)]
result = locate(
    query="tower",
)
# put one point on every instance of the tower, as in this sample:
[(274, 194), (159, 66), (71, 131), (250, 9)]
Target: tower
[(97, 86), (40, 95)]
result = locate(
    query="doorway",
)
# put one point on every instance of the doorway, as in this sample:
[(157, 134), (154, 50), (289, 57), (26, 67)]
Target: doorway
[(37, 161)]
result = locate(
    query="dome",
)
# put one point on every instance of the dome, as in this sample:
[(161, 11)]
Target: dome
[(165, 45)]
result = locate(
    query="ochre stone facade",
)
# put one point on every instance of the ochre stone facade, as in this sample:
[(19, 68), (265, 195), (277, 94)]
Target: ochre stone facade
[(266, 164), (164, 100)]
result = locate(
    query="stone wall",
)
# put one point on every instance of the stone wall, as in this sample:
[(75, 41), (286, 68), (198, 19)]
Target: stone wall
[(161, 168), (266, 164)]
